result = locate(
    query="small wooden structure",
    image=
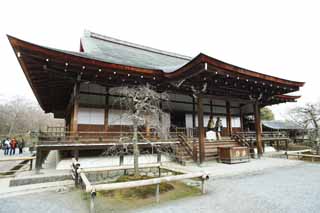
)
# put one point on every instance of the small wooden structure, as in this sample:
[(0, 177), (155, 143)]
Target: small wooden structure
[(293, 131), (234, 154)]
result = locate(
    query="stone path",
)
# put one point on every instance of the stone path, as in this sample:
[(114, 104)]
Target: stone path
[(220, 170)]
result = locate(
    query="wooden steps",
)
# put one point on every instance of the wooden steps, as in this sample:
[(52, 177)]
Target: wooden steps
[(210, 147)]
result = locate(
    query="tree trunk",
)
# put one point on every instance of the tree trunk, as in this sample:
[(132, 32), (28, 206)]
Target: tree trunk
[(316, 126), (135, 149)]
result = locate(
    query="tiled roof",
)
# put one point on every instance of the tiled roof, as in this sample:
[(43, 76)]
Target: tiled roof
[(121, 52)]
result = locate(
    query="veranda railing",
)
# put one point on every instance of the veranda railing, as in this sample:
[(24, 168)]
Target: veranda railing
[(106, 137)]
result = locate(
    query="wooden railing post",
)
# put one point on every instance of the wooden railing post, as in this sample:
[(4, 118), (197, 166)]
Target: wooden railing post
[(158, 193), (75, 173), (93, 194), (76, 154), (31, 164), (194, 150), (159, 156), (203, 186), (38, 160), (121, 158)]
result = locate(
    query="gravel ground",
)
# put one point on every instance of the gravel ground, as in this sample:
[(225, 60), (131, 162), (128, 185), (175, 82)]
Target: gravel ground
[(289, 189), (294, 189), (45, 202)]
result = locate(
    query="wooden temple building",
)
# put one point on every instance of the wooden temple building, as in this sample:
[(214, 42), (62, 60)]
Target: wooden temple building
[(74, 86)]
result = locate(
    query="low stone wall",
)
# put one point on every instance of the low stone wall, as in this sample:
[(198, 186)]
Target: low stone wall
[(109, 176), (39, 179)]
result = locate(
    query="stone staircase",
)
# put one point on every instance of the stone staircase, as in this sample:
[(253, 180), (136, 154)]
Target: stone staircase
[(211, 149)]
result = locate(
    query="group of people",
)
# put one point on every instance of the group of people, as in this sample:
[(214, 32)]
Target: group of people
[(9, 146), (217, 126)]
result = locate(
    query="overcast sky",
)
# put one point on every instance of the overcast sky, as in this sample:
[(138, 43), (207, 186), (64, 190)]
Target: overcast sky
[(275, 37)]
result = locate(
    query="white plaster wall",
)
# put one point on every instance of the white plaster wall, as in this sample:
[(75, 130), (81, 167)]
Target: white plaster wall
[(91, 116)]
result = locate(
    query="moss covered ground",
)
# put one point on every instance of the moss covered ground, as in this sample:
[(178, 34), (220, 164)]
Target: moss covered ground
[(134, 198)]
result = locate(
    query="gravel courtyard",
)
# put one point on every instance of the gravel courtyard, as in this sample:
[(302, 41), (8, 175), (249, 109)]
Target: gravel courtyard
[(288, 189), (291, 189)]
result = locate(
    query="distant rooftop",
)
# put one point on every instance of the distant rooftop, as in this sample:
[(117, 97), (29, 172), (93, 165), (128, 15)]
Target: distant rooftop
[(281, 125), (122, 52)]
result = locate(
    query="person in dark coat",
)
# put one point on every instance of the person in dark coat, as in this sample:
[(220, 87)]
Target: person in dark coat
[(21, 146)]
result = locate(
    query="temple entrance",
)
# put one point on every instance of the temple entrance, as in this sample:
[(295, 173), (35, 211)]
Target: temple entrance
[(178, 119)]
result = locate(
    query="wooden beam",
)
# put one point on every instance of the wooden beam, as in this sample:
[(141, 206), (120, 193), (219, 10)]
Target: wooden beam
[(201, 129), (171, 101), (142, 183), (229, 125), (257, 119)]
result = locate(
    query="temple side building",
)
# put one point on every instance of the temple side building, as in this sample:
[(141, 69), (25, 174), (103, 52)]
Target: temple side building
[(75, 86)]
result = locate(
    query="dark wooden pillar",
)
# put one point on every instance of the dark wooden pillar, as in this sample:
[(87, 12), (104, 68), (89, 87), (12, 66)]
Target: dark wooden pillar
[(106, 110), (229, 126), (38, 159), (193, 113), (241, 119), (201, 129), (75, 110), (194, 147), (76, 154), (257, 119), (211, 108)]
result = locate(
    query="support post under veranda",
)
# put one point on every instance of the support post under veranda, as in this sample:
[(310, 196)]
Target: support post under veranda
[(257, 119), (201, 130)]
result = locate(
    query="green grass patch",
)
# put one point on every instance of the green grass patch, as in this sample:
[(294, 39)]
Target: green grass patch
[(138, 197)]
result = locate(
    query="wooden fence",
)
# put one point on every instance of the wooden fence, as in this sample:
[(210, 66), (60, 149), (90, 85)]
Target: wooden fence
[(17, 167), (92, 189)]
